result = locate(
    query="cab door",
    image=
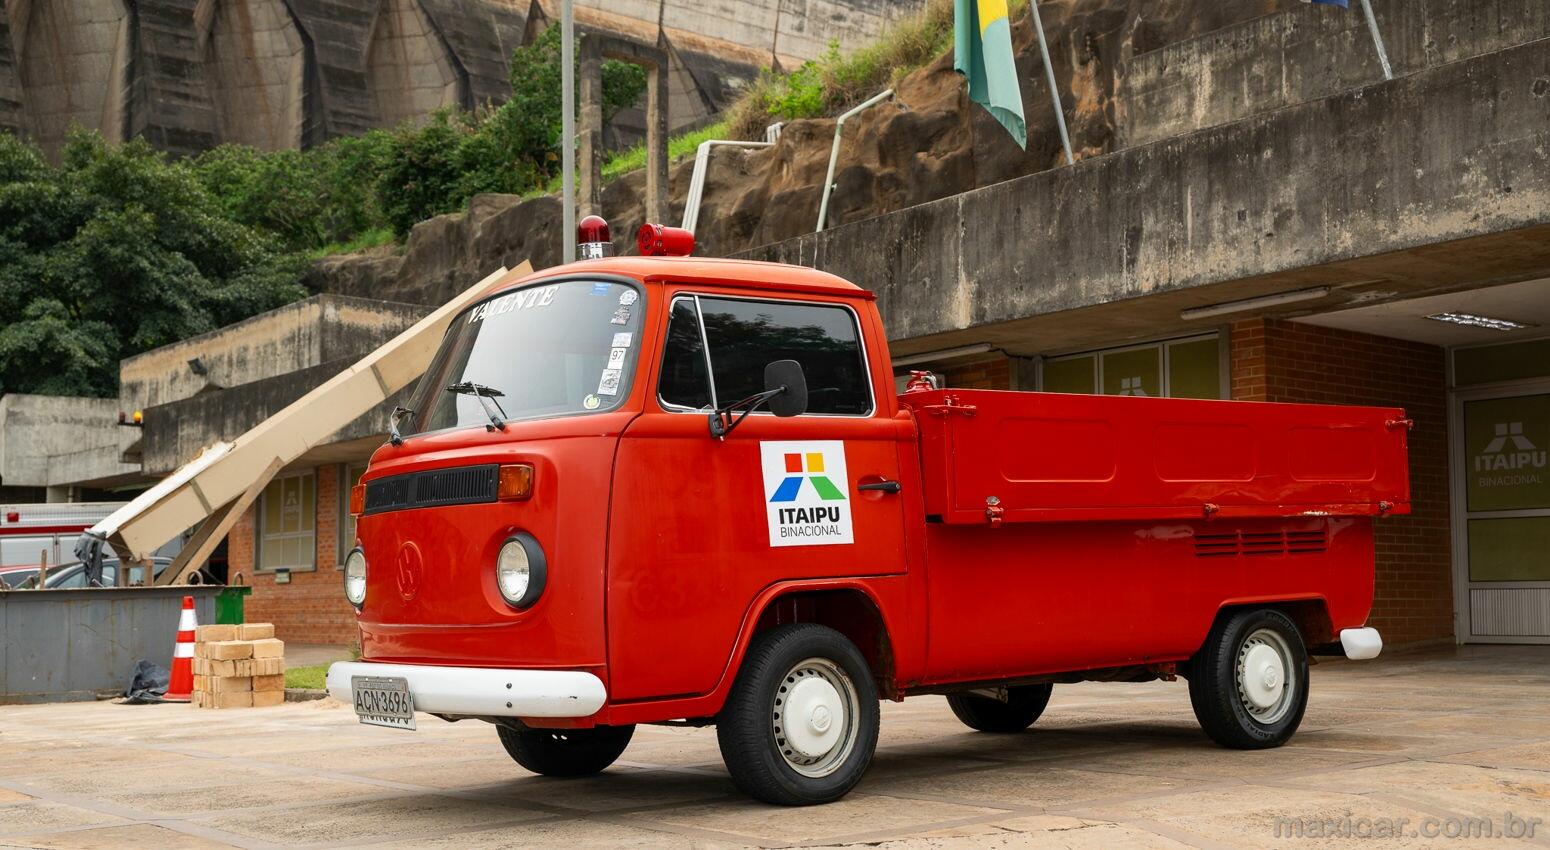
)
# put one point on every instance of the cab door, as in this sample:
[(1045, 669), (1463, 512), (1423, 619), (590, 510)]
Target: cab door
[(700, 525)]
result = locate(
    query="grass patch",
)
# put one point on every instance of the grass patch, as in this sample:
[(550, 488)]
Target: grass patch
[(369, 239), (835, 82), (623, 162), (678, 147), (310, 678)]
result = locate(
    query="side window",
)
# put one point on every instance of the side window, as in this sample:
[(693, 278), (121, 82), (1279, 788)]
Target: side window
[(684, 380), (746, 336)]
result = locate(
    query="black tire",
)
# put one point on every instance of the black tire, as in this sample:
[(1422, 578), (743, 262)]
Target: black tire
[(1024, 704), (761, 753), (566, 752), (1227, 708)]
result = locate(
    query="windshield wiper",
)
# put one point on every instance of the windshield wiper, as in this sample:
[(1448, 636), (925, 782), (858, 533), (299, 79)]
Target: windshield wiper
[(486, 396)]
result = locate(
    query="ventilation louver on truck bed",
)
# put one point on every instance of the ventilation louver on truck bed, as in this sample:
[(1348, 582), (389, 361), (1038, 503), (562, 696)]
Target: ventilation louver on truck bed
[(464, 485), (1283, 542)]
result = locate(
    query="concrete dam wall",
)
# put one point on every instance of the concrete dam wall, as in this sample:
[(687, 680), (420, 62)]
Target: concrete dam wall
[(188, 75)]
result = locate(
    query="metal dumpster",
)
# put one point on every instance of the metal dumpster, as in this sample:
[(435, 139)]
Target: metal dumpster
[(65, 645)]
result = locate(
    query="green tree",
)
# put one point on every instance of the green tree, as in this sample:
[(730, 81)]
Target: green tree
[(116, 251), (306, 199), (513, 148)]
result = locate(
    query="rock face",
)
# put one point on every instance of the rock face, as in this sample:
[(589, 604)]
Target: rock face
[(190, 74), (1129, 72), (925, 144)]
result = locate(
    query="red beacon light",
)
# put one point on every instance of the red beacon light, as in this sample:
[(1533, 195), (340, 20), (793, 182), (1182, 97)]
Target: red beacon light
[(659, 240), (592, 239)]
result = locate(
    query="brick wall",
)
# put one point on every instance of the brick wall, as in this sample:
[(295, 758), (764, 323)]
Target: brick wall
[(1293, 362), (312, 607), (981, 375)]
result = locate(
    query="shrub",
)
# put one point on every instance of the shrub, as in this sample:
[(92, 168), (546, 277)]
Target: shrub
[(116, 251)]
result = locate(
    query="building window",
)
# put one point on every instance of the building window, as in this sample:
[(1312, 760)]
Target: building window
[(287, 524), (349, 476), (1180, 368)]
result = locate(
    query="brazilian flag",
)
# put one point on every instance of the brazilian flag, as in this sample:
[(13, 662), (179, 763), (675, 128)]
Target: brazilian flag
[(982, 38)]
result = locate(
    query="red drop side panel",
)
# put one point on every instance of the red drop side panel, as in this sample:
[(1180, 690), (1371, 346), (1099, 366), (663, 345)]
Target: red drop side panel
[(1051, 457)]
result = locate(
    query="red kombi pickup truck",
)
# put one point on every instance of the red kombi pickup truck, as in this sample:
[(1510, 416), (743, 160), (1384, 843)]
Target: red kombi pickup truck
[(667, 489)]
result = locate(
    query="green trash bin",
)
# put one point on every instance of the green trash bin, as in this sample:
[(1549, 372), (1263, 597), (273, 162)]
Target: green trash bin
[(228, 605)]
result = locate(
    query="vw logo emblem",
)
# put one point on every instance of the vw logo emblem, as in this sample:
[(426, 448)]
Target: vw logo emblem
[(408, 571)]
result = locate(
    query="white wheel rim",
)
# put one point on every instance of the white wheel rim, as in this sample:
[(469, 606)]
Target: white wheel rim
[(1266, 681), (815, 716)]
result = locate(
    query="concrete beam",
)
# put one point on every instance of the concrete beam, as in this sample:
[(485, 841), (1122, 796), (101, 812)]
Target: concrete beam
[(1398, 187), (596, 47)]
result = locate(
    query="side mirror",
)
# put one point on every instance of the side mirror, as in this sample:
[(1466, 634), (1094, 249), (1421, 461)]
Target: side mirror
[(788, 374)]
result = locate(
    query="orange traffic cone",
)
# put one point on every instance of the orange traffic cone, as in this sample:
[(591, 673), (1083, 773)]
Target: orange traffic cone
[(180, 687)]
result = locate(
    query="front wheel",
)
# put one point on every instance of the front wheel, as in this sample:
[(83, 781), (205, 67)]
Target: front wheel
[(1249, 683), (566, 752), (1022, 706), (800, 725)]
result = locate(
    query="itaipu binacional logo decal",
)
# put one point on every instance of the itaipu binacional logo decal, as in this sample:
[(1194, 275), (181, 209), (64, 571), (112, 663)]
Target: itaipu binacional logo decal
[(804, 492)]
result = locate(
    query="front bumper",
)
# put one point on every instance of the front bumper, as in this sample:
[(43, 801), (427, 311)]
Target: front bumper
[(482, 691)]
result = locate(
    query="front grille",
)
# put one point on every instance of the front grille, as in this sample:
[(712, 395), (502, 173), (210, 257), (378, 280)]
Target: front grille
[(1260, 543), (463, 485)]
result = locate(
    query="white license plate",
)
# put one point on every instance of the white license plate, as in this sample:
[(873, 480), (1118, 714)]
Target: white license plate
[(383, 701)]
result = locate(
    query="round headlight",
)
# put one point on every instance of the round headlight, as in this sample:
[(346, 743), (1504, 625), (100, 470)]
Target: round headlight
[(519, 571), (355, 577)]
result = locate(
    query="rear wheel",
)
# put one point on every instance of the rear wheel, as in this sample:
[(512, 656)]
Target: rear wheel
[(1249, 683), (1022, 706), (801, 722), (566, 752)]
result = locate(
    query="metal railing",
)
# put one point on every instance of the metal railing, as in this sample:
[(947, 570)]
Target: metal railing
[(702, 165), (834, 151)]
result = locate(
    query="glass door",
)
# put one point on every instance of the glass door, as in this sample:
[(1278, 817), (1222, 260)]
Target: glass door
[(1501, 507)]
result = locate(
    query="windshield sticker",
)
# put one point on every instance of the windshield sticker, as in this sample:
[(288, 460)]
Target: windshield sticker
[(591, 402), (622, 316), (623, 340), (523, 299), (804, 492), (599, 289), (609, 383), (616, 358), (628, 297)]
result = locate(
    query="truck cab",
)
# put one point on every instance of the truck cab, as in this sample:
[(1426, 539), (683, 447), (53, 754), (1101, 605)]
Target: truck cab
[(668, 489)]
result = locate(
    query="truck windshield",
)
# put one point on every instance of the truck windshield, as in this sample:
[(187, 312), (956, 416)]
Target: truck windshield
[(555, 349)]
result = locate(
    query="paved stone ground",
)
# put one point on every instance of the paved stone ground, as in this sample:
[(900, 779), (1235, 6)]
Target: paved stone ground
[(1443, 736)]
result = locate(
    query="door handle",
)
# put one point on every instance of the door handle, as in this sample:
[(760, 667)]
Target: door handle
[(882, 486)]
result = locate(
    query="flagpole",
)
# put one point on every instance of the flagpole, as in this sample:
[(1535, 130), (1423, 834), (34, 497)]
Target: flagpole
[(1377, 40), (568, 130), (1049, 74)]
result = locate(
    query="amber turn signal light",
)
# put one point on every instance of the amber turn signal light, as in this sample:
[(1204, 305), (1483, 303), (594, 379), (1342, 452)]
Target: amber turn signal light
[(358, 500), (516, 482)]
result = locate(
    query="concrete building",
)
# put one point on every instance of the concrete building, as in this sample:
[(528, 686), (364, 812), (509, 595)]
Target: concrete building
[(63, 449), (187, 75), (1283, 229), (218, 385)]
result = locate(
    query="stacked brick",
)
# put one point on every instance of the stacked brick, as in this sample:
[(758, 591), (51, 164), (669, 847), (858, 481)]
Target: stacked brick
[(238, 666)]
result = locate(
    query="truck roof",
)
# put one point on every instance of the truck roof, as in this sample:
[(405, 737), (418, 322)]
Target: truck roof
[(752, 274)]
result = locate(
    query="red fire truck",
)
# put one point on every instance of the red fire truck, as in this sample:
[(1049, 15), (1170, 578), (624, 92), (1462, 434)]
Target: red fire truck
[(663, 489)]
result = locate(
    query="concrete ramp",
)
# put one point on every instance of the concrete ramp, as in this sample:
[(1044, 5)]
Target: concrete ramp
[(218, 485)]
